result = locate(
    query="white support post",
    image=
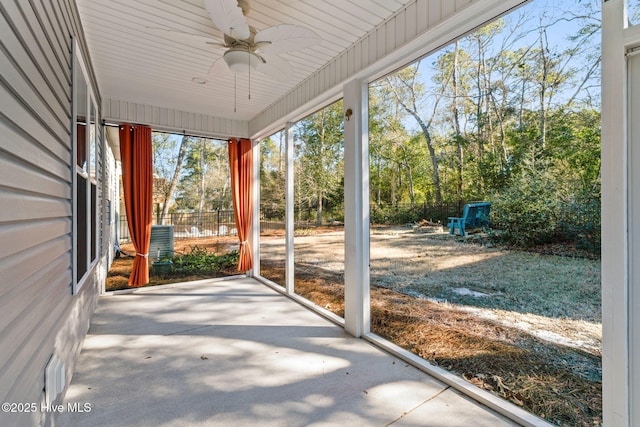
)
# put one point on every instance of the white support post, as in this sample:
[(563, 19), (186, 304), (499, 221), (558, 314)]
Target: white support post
[(356, 208), (634, 237), (615, 250), (255, 226), (289, 226)]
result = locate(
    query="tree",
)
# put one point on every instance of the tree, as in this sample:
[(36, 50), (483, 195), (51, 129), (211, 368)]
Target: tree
[(407, 90), (167, 166), (319, 156), (272, 177), (514, 101), (176, 176), (205, 182)]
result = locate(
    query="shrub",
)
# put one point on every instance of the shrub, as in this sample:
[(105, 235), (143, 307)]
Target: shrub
[(528, 211), (581, 222), (525, 222), (400, 214), (538, 208), (201, 262)]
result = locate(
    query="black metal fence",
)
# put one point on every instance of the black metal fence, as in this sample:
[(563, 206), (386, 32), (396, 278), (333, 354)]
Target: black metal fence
[(188, 225), (222, 222), (403, 213)]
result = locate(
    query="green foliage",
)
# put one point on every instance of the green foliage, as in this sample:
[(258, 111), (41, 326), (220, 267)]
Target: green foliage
[(388, 214), (205, 183), (272, 177), (540, 208), (508, 114), (201, 262), (581, 221), (319, 164), (527, 212)]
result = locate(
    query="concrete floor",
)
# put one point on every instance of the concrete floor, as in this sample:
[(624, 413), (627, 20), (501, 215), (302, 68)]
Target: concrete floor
[(237, 353)]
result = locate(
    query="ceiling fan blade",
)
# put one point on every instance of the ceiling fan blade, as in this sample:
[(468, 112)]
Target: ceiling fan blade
[(285, 38), (276, 68), (227, 17), (187, 38)]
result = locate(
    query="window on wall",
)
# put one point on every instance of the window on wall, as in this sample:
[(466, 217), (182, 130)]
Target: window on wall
[(86, 176)]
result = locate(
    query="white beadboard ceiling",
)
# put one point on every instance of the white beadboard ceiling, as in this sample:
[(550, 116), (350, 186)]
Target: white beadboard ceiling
[(135, 65)]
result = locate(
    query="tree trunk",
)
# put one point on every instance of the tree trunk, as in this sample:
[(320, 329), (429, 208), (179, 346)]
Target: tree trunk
[(543, 91), (379, 195), (456, 121), (182, 151), (425, 130), (202, 188), (481, 94), (432, 152), (319, 208), (434, 158), (412, 193), (281, 153)]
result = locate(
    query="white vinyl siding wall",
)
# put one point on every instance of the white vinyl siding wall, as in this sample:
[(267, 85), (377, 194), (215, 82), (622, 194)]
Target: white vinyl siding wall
[(39, 316)]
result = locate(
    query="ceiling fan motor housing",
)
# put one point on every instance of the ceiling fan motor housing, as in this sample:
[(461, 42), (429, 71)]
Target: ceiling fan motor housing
[(241, 59)]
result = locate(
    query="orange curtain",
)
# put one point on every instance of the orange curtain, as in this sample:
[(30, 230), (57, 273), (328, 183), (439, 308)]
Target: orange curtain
[(241, 165), (137, 180)]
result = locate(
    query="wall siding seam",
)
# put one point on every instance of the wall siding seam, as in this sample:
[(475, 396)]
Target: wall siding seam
[(34, 365), (56, 71), (56, 227), (28, 292), (65, 26), (31, 187), (29, 53), (35, 140), (55, 115), (46, 164), (63, 49), (45, 190), (48, 258)]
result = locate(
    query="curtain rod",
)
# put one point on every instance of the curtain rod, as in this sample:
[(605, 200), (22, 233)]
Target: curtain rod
[(184, 133)]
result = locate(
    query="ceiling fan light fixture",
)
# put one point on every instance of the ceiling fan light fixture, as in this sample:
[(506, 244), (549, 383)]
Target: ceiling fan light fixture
[(239, 61)]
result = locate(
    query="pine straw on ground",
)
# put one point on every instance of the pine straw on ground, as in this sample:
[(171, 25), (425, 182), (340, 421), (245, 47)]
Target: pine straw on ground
[(536, 375)]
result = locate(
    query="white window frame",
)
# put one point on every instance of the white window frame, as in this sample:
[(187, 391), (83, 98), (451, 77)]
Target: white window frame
[(78, 66)]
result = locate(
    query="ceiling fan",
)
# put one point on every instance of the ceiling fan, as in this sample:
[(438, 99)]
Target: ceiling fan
[(247, 49)]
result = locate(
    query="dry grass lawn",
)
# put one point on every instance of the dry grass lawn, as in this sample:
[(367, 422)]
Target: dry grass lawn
[(522, 325)]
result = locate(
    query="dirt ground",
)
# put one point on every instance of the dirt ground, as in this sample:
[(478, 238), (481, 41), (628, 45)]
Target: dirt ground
[(555, 298)]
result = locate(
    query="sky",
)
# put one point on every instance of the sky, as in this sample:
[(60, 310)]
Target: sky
[(558, 36)]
